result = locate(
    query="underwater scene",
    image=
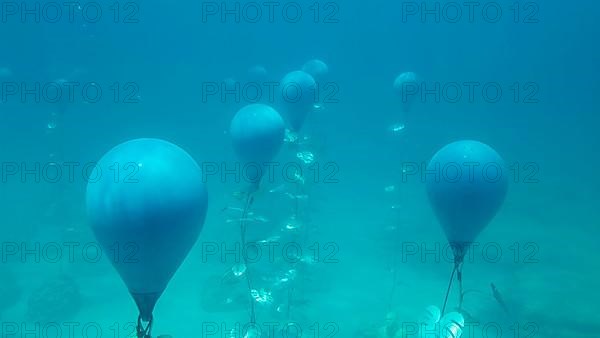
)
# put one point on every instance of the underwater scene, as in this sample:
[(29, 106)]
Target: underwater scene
[(301, 168)]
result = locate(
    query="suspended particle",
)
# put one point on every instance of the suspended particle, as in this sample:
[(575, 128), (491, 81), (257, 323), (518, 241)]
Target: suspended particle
[(260, 219), (391, 228), (238, 269), (290, 136), (261, 296), (390, 188), (279, 188), (397, 128), (298, 177), (292, 224), (309, 259), (291, 274), (270, 240), (306, 156)]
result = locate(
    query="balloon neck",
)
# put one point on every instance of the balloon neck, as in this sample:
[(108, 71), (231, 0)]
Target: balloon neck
[(145, 303), (460, 250)]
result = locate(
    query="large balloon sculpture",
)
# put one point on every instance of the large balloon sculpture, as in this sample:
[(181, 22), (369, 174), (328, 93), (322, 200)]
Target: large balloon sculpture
[(467, 186), (257, 132), (151, 199), (299, 93)]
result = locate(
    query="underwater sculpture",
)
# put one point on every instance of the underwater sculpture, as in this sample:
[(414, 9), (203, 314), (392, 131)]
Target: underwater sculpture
[(257, 133), (317, 69), (299, 93), (404, 84), (466, 202), (154, 210), (257, 74), (64, 99)]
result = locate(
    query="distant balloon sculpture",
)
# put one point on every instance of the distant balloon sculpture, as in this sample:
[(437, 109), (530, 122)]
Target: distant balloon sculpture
[(406, 86), (151, 200), (257, 74), (63, 100), (257, 132), (467, 192), (317, 69), (299, 93)]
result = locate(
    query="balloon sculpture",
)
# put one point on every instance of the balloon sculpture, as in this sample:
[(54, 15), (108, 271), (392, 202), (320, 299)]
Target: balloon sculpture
[(317, 69), (469, 188), (403, 85), (257, 132), (151, 198), (258, 74), (298, 96)]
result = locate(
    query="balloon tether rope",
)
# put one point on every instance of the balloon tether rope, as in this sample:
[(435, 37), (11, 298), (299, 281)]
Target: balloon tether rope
[(290, 293), (249, 200), (144, 332), (458, 270), (461, 294), (449, 287)]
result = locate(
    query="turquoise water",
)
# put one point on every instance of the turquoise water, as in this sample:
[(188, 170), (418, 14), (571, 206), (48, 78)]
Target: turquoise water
[(373, 254)]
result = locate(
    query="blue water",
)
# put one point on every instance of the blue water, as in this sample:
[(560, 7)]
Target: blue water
[(162, 70)]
